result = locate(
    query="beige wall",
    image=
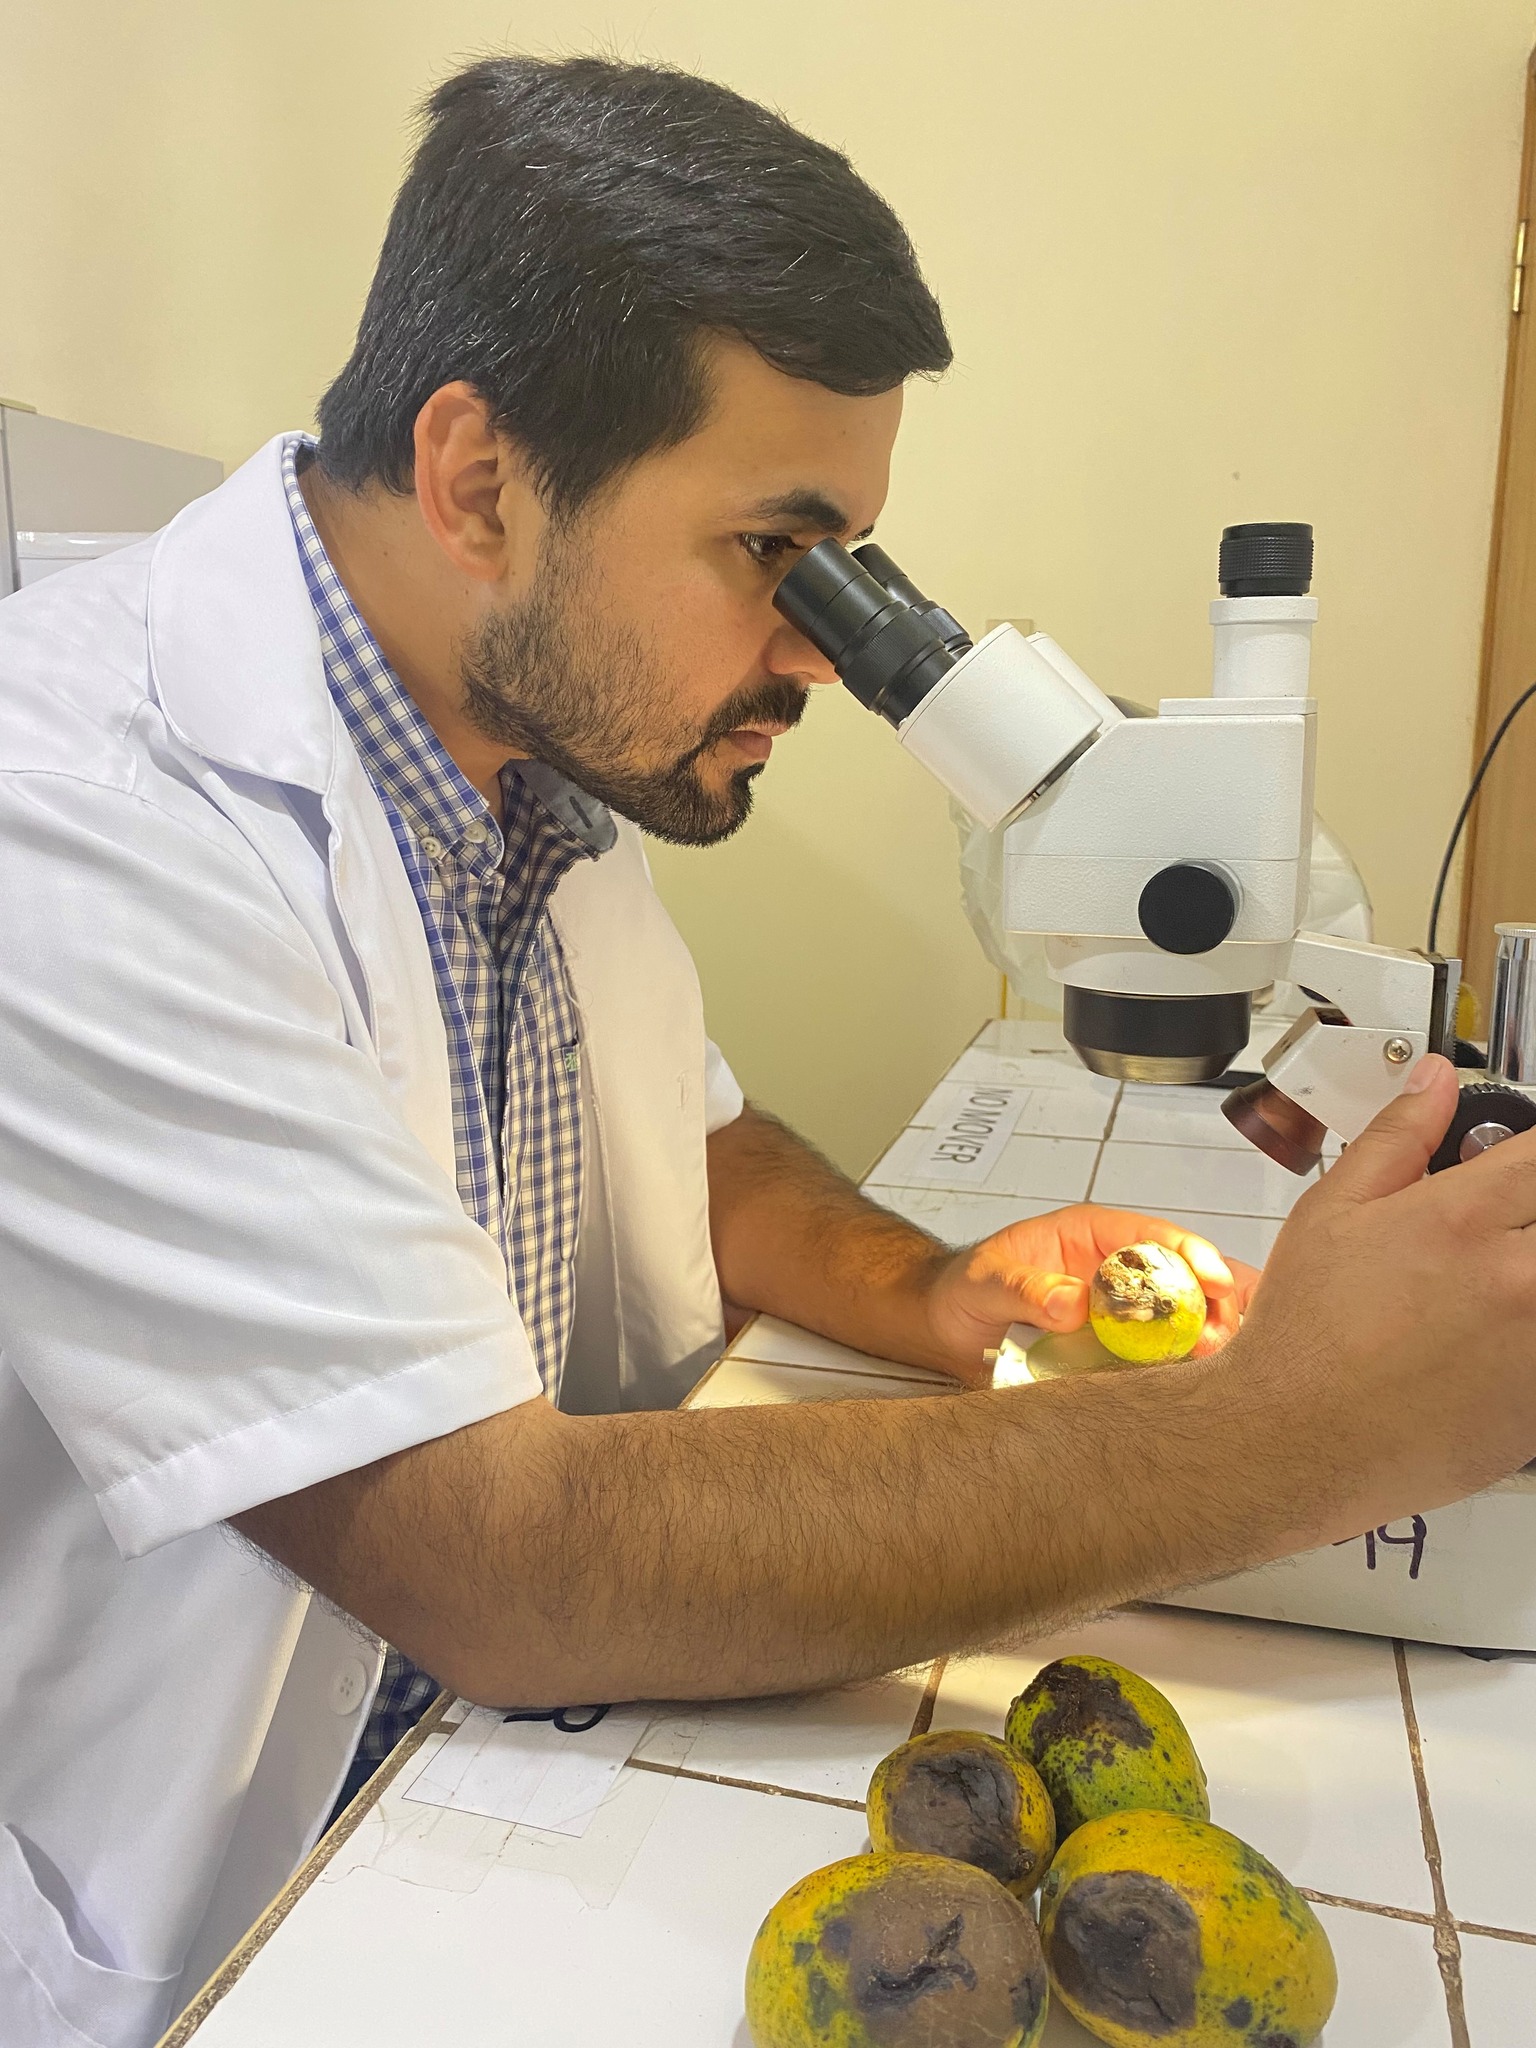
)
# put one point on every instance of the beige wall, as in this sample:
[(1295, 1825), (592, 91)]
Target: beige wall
[(1204, 260)]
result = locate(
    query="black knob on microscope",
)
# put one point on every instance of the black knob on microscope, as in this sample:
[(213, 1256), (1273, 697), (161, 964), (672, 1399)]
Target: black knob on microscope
[(1487, 1114), (1187, 908)]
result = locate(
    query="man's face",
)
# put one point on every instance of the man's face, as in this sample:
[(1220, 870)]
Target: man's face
[(647, 662)]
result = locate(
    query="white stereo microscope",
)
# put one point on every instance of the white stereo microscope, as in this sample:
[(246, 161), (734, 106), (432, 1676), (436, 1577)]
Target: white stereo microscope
[(1165, 860)]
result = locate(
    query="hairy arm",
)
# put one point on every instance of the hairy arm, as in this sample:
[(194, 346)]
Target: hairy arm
[(794, 1237), (539, 1559)]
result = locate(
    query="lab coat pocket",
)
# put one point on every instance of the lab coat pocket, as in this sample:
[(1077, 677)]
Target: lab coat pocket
[(51, 1996)]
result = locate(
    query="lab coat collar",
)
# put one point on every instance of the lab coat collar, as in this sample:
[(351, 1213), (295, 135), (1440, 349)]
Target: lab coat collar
[(233, 644)]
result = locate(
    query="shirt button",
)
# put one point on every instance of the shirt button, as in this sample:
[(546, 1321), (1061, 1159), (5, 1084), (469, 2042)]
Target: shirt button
[(476, 833), (432, 848), (349, 1686)]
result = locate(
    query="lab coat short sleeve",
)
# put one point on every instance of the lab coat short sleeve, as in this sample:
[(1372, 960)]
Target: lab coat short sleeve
[(723, 1099), (228, 1270)]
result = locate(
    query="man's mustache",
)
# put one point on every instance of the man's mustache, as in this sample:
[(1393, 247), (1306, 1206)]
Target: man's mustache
[(780, 702)]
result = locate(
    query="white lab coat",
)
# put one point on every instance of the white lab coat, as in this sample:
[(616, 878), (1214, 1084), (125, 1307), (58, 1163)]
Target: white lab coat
[(232, 1258)]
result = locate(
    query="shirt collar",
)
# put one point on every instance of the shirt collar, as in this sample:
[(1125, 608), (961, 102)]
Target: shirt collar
[(404, 757)]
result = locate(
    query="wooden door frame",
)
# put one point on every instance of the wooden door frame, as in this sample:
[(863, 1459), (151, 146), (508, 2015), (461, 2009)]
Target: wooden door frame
[(1499, 872)]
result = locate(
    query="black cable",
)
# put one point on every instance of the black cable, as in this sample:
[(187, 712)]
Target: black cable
[(1489, 751)]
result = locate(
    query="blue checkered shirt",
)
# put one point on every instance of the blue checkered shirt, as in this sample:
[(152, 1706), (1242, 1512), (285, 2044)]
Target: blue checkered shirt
[(482, 885)]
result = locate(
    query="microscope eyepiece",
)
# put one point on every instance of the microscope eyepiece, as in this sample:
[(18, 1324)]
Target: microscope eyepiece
[(901, 587), (889, 652), (1268, 558)]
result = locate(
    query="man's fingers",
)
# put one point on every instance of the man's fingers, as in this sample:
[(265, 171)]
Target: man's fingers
[(1202, 1259), (1223, 1321), (1052, 1301), (1102, 1231), (1393, 1151)]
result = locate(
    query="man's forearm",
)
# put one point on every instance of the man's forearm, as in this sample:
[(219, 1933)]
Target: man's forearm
[(795, 1237), (542, 1559), (539, 1559)]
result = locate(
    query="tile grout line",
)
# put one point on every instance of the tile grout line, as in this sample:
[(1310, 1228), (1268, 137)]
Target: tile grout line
[(1496, 1933), (922, 1720), (1447, 1939), (1060, 1201), (1064, 1201), (640, 1763), (1368, 1906), (1104, 1138)]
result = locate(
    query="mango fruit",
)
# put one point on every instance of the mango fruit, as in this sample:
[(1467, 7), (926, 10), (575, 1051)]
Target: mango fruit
[(968, 1796), (1146, 1306), (890, 1951), (1104, 1740), (1163, 1929)]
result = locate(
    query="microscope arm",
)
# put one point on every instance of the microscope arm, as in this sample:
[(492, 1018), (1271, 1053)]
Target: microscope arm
[(1376, 1012)]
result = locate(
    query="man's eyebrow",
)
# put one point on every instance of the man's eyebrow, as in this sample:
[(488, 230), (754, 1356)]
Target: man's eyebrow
[(806, 507)]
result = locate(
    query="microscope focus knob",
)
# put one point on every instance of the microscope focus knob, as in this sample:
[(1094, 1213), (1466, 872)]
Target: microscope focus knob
[(1187, 908), (1486, 1115)]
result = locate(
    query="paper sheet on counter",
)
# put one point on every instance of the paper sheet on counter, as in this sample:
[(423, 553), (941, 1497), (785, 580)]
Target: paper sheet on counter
[(530, 1771)]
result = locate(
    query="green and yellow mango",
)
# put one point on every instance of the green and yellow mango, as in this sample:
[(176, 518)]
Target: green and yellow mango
[(895, 1951), (1104, 1740), (1160, 1929)]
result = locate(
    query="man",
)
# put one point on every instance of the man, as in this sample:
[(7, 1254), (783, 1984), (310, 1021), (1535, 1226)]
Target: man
[(354, 1086)]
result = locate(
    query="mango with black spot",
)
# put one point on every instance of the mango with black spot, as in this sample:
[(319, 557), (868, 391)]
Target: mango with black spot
[(968, 1796), (889, 1951), (1162, 1929), (1146, 1306), (1104, 1740)]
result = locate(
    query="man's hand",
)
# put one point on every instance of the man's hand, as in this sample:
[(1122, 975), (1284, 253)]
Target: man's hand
[(795, 1237), (1395, 1321), (1038, 1272)]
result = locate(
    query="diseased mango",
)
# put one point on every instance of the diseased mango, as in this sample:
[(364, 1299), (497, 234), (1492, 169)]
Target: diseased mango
[(1104, 1740), (968, 1796), (1163, 1929), (1146, 1306), (890, 1951)]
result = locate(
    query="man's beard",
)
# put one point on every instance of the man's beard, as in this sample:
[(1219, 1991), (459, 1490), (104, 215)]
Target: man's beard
[(594, 706)]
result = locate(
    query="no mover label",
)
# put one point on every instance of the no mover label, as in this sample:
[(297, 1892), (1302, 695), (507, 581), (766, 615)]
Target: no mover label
[(965, 1147)]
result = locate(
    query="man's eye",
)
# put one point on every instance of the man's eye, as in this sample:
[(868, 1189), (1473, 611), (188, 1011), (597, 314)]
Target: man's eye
[(768, 550)]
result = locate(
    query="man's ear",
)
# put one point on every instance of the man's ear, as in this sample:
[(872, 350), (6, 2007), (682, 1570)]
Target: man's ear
[(475, 490)]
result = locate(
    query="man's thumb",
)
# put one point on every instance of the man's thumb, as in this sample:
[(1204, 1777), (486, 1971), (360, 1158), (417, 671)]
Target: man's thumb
[(1393, 1151), (1053, 1301)]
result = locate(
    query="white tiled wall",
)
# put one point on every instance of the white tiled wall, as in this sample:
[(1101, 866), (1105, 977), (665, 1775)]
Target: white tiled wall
[(1032, 1166), (1157, 1177), (961, 1219), (1477, 1726)]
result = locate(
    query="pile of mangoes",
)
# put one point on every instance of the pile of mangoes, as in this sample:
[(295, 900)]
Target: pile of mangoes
[(1154, 1926)]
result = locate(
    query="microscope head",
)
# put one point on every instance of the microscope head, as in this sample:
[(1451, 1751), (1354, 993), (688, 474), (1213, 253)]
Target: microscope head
[(1164, 860)]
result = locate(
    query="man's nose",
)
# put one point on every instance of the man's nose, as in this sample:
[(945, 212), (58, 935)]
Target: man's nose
[(790, 654)]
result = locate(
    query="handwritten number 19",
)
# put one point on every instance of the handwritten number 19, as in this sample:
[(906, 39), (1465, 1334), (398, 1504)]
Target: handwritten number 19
[(1413, 1544)]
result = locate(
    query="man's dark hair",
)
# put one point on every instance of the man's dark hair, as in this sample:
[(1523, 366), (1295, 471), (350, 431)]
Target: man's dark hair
[(568, 236)]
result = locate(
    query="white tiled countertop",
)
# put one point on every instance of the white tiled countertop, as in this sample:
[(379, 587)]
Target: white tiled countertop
[(1396, 1785)]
